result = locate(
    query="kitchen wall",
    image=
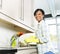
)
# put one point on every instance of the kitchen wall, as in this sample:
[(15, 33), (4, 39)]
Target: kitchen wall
[(6, 32)]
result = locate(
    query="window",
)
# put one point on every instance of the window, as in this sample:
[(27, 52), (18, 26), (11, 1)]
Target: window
[(52, 25), (50, 20), (59, 37), (52, 29), (58, 20)]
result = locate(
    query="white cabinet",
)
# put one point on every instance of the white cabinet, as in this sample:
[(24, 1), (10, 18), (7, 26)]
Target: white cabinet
[(18, 12), (28, 14), (12, 8)]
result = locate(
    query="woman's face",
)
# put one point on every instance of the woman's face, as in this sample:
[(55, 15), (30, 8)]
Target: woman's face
[(39, 16)]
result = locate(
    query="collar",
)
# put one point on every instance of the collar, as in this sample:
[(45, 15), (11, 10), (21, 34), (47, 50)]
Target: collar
[(42, 21)]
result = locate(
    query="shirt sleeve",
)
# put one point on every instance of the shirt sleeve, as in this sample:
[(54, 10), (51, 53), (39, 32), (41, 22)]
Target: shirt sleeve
[(45, 32)]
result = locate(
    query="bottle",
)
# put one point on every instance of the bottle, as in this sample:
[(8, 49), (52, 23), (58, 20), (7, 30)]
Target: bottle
[(15, 40)]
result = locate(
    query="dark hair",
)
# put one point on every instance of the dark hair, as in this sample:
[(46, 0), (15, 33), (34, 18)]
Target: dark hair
[(39, 10)]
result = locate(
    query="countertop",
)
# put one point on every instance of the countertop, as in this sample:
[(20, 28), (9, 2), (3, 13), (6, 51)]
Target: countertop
[(18, 48), (6, 50), (25, 48)]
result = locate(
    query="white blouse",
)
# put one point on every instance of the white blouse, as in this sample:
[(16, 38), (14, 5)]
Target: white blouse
[(41, 32)]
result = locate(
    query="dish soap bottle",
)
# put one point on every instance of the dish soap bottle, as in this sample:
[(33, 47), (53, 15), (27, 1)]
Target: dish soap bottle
[(15, 40)]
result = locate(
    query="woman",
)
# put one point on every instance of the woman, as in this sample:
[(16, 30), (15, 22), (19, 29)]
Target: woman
[(41, 33)]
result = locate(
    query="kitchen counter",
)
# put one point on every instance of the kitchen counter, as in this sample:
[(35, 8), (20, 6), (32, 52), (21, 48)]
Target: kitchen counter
[(18, 48), (22, 50), (25, 48)]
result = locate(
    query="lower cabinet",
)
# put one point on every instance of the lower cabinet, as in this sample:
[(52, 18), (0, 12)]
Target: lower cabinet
[(27, 51)]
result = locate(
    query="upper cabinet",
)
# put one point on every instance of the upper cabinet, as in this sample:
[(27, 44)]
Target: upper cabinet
[(18, 12), (12, 8), (28, 12)]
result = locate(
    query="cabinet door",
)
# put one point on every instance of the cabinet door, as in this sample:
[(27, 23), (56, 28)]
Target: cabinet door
[(28, 8), (12, 8)]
